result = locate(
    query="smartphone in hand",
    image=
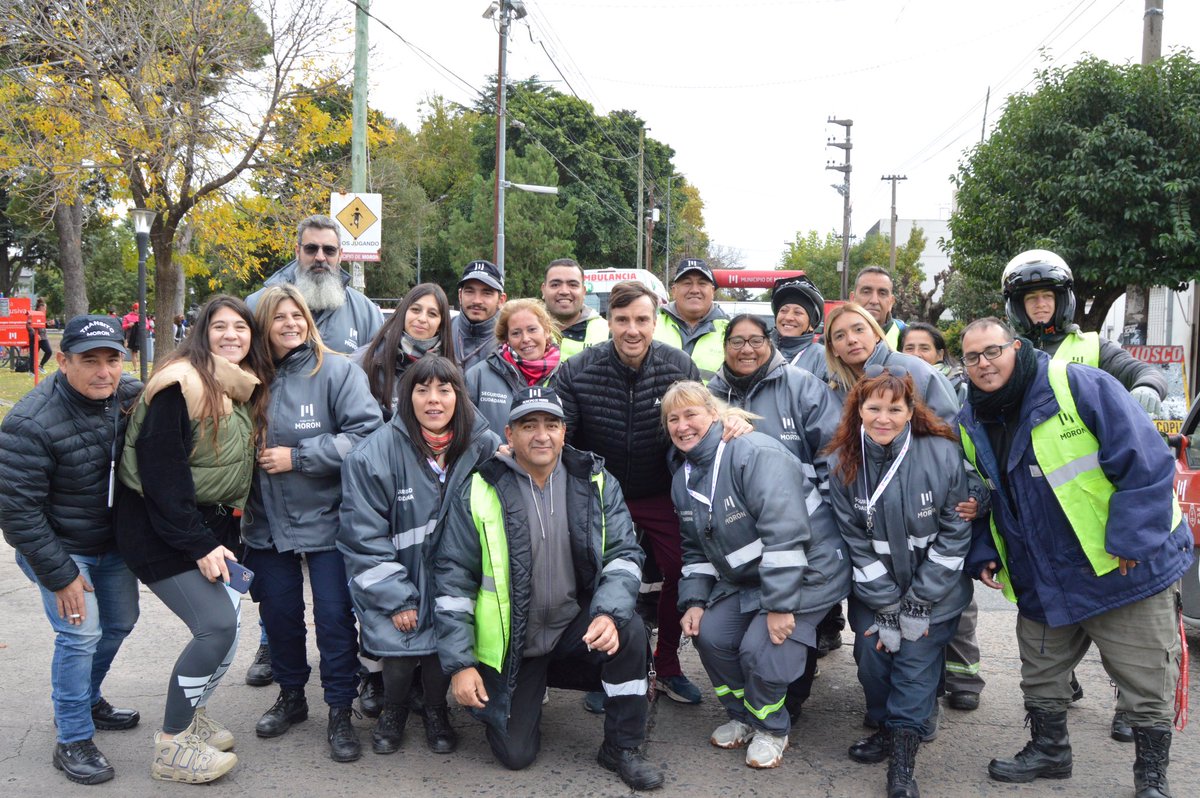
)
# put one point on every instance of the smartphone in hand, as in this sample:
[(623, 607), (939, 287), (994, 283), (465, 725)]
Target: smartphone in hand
[(240, 576)]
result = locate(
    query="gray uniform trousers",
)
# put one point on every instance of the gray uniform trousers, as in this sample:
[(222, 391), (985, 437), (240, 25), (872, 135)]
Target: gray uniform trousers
[(750, 673), (962, 653), (1139, 647)]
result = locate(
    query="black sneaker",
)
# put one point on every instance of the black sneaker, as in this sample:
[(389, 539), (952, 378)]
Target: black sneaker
[(106, 717), (82, 762), (259, 674), (631, 766)]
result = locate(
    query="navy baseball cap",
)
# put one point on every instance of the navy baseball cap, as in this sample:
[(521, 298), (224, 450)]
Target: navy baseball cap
[(537, 399), (694, 265), (485, 272), (85, 333)]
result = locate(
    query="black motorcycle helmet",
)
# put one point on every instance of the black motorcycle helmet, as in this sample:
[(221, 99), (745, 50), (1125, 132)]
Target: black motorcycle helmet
[(801, 291), (1038, 269)]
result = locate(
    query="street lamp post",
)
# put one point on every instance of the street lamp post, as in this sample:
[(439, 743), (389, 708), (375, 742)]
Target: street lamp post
[(667, 259), (143, 219)]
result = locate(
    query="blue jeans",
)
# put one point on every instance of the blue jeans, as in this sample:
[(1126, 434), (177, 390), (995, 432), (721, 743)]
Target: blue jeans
[(900, 688), (278, 587), (83, 653)]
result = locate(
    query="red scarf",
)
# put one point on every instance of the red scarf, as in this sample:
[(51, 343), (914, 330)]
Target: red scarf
[(534, 371), (438, 444)]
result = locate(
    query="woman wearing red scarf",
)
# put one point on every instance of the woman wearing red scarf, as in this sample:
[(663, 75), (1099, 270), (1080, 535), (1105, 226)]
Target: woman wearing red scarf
[(528, 355)]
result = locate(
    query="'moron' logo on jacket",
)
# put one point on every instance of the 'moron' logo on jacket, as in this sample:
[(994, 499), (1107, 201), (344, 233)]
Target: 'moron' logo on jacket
[(308, 419)]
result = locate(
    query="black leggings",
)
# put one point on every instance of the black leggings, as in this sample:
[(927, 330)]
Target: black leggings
[(398, 676), (213, 614)]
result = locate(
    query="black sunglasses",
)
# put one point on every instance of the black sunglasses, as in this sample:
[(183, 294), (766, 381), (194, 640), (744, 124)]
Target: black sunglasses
[(329, 250)]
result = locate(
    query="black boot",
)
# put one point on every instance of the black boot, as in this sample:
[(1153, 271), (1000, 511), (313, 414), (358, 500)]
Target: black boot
[(439, 734), (1047, 755), (1153, 745), (1076, 689), (259, 674), (370, 693), (1120, 729), (389, 729), (291, 707), (343, 738), (900, 781), (82, 762), (630, 765), (872, 750)]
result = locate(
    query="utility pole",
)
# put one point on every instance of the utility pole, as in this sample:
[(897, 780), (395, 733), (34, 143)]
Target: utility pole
[(893, 178), (505, 8), (1137, 297), (358, 128), (651, 218), (667, 259), (641, 192), (844, 190)]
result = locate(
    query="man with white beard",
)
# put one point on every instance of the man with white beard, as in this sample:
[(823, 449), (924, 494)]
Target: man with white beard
[(345, 318)]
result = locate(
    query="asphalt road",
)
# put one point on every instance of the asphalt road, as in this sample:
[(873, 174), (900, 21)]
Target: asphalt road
[(298, 763)]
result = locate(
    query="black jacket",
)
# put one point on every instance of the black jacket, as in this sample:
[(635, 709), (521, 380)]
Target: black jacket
[(615, 412), (56, 447)]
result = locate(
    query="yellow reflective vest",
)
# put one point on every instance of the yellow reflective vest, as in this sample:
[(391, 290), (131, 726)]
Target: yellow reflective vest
[(493, 602), (1068, 455), (892, 336), (1080, 347), (708, 353), (595, 332)]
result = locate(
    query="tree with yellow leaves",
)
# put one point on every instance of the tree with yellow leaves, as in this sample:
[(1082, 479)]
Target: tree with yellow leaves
[(174, 97)]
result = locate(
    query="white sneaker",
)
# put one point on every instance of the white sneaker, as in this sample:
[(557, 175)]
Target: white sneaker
[(189, 760), (209, 731), (766, 750), (733, 734)]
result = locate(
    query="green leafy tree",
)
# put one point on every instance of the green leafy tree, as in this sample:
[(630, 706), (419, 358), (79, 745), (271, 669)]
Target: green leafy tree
[(1099, 163), (537, 227)]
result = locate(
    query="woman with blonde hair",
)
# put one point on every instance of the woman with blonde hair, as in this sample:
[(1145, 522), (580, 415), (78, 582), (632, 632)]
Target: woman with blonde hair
[(185, 472), (320, 408), (854, 340), (528, 354), (757, 576)]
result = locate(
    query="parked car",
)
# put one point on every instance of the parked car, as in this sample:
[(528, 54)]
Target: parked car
[(1186, 446)]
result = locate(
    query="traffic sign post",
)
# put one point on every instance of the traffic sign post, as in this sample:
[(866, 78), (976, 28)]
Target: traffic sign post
[(360, 224)]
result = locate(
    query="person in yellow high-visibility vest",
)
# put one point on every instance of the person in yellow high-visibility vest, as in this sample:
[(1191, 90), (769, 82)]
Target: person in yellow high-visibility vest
[(1087, 538), (536, 579), (875, 290), (1040, 302), (563, 292), (692, 321)]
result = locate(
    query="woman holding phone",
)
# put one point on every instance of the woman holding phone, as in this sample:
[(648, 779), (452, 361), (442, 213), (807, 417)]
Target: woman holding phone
[(185, 472)]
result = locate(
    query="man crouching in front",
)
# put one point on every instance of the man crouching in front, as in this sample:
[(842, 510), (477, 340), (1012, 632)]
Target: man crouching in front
[(537, 575)]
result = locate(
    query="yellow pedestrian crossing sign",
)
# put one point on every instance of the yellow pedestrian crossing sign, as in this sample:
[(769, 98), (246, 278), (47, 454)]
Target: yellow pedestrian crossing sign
[(358, 218)]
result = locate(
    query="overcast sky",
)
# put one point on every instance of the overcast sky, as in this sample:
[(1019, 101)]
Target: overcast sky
[(742, 90)]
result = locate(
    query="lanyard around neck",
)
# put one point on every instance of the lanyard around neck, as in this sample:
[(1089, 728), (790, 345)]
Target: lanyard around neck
[(712, 492), (887, 478)]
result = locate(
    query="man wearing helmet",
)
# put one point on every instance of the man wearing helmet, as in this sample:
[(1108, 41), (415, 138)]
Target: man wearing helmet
[(1040, 303)]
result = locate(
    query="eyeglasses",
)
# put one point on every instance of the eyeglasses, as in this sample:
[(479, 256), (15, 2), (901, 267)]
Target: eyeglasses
[(990, 352), (312, 249), (875, 370), (740, 341)]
